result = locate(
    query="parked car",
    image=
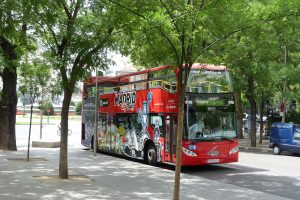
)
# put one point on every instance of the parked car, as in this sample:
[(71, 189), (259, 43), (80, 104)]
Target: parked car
[(285, 137)]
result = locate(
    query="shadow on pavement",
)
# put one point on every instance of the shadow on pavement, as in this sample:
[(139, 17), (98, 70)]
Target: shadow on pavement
[(111, 178)]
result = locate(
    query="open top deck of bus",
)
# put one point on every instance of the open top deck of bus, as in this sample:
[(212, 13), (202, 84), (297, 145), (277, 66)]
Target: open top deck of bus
[(163, 77), (106, 80)]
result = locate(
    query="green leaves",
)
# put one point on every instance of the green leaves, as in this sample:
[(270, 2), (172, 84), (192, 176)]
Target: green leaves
[(76, 35), (35, 79)]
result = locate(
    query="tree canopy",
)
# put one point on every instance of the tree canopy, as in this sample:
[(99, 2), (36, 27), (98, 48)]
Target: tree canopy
[(77, 36)]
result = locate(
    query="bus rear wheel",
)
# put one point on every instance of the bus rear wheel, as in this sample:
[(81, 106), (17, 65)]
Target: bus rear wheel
[(151, 155)]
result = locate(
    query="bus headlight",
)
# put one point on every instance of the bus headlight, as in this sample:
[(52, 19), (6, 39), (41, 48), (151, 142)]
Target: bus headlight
[(188, 152), (234, 150)]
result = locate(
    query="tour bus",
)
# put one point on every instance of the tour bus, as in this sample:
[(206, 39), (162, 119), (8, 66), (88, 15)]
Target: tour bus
[(137, 115)]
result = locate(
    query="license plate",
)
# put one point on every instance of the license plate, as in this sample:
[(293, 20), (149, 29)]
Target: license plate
[(213, 160)]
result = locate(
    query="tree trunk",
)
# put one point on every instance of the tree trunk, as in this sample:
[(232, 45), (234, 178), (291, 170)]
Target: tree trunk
[(239, 114), (180, 126), (8, 100), (262, 107), (268, 122), (63, 156), (8, 111), (250, 97), (178, 148)]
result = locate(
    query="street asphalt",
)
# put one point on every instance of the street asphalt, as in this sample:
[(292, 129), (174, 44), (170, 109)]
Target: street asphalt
[(104, 177)]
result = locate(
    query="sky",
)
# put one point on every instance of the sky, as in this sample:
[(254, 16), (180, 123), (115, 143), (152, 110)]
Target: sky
[(122, 63)]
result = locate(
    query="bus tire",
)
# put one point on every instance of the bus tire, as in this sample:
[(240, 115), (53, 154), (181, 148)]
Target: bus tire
[(151, 155)]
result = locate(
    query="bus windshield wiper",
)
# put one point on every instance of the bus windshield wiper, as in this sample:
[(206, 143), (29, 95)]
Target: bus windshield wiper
[(226, 138), (214, 138), (204, 139)]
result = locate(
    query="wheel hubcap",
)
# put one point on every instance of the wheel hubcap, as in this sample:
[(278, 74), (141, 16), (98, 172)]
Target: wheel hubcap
[(276, 150), (151, 154)]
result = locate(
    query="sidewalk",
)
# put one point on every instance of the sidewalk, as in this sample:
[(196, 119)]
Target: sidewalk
[(245, 146)]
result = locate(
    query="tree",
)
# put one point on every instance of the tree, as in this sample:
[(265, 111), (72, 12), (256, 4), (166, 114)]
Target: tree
[(34, 82), (182, 32), (178, 33), (249, 65), (252, 54), (13, 44), (76, 35)]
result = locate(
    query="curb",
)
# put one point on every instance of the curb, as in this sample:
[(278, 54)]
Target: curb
[(45, 144), (255, 149)]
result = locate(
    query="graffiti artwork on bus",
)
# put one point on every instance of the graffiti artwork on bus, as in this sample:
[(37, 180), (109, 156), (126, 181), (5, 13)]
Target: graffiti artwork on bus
[(136, 132), (125, 100)]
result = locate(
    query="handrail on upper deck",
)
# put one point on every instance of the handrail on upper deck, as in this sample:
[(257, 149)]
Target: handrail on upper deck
[(169, 87)]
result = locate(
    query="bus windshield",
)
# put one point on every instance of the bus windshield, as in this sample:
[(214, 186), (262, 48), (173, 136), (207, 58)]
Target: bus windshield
[(210, 121), (205, 81)]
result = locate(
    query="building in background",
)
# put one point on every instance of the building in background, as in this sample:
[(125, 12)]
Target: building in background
[(122, 65)]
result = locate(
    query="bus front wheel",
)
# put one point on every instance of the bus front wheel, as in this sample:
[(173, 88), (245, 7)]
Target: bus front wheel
[(151, 156)]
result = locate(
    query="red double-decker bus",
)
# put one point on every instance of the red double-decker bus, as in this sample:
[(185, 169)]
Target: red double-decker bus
[(138, 115)]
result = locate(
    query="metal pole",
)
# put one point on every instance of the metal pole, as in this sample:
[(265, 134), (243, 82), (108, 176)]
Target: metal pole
[(41, 124), (29, 134), (283, 101), (41, 115), (96, 115), (284, 85)]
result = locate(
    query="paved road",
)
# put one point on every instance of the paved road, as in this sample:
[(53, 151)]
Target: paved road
[(276, 175)]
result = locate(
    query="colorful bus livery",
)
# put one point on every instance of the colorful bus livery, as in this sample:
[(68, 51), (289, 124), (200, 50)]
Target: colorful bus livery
[(138, 116), (126, 100)]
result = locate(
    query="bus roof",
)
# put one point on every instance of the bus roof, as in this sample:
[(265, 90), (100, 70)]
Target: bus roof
[(118, 79), (115, 80)]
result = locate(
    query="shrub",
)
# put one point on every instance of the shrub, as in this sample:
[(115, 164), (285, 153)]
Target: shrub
[(294, 117), (78, 108), (47, 106), (72, 103)]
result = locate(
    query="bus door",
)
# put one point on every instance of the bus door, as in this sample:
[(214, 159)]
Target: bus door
[(108, 135), (170, 138), (102, 132)]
